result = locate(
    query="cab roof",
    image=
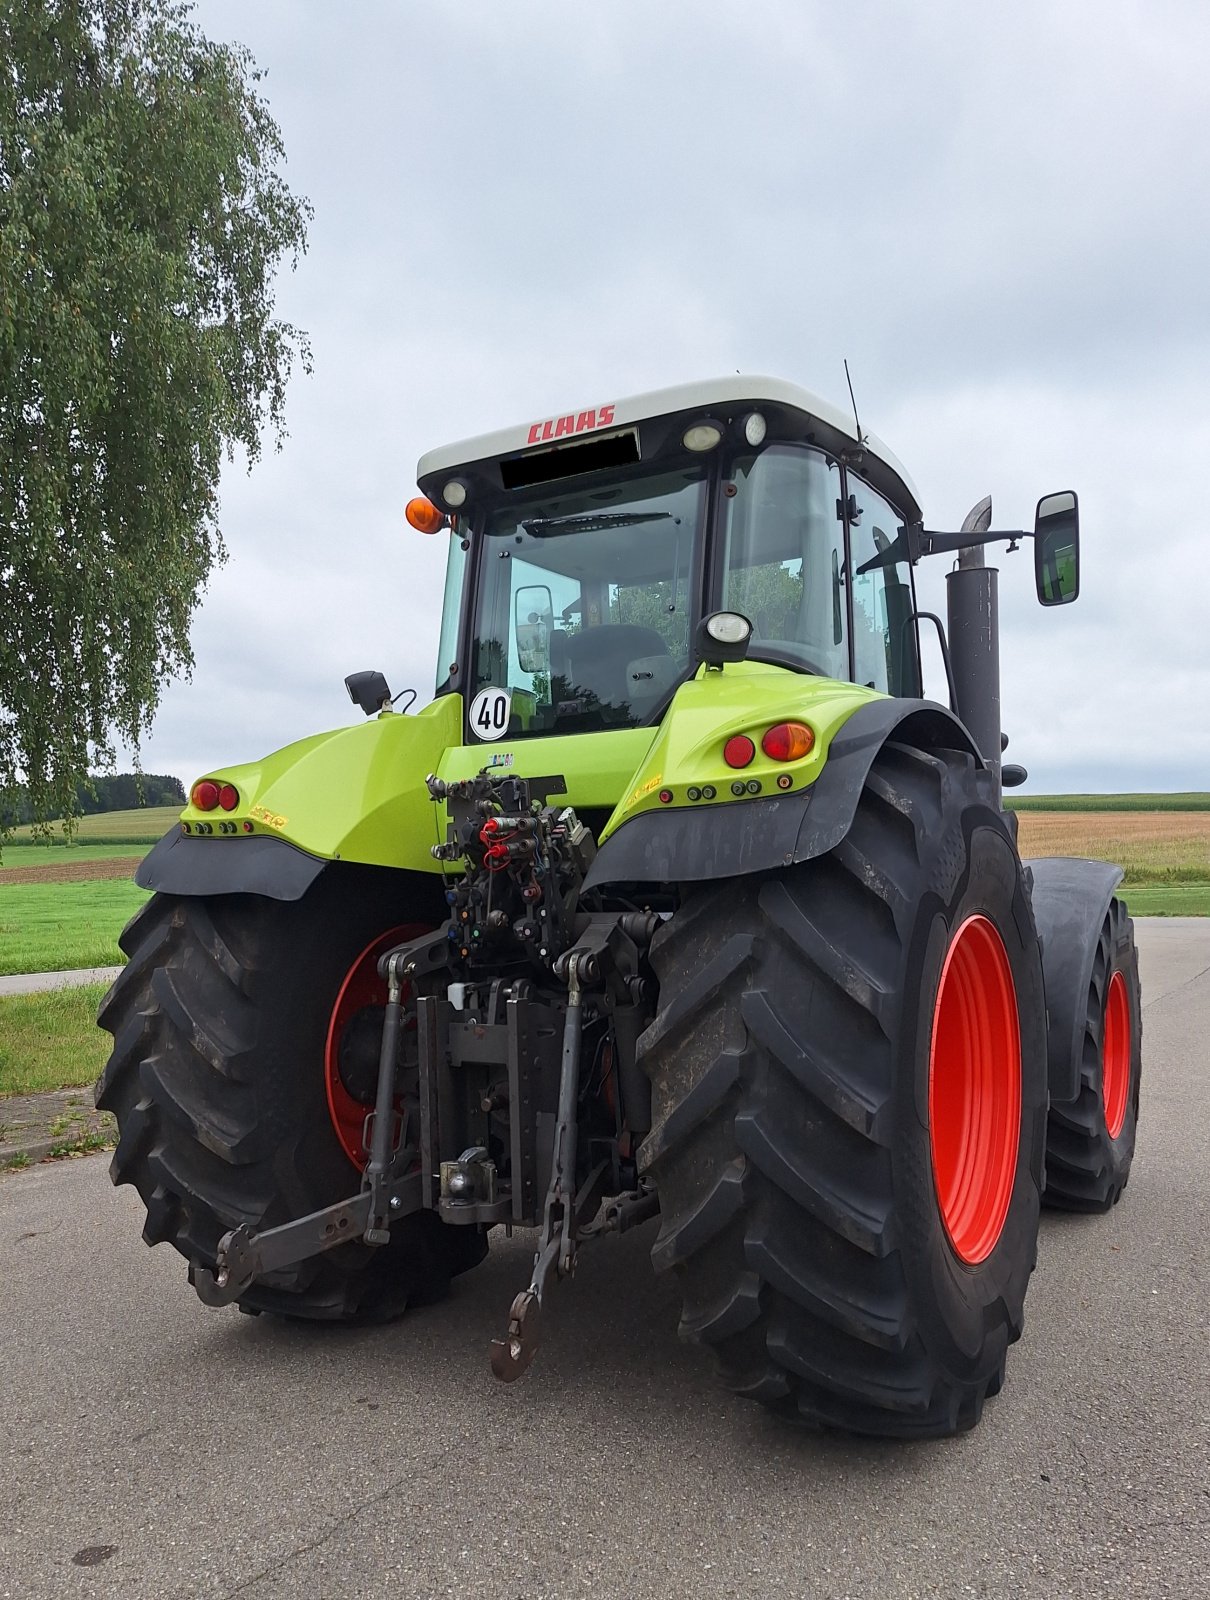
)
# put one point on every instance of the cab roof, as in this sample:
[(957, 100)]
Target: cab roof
[(720, 399)]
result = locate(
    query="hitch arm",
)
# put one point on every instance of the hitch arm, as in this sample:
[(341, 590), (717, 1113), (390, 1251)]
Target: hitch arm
[(243, 1255)]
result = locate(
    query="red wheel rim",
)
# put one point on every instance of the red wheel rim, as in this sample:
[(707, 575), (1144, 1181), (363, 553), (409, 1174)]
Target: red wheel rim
[(975, 1089), (361, 987), (1115, 1055)]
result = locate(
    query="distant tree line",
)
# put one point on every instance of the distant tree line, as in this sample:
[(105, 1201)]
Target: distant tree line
[(121, 791)]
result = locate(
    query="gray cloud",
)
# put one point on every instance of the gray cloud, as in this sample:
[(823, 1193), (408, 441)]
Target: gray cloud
[(998, 216)]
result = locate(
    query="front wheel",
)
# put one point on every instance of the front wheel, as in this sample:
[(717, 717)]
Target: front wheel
[(245, 1037), (849, 1088), (1090, 1139)]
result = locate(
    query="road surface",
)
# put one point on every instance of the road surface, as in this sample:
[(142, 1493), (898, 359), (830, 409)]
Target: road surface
[(156, 1448)]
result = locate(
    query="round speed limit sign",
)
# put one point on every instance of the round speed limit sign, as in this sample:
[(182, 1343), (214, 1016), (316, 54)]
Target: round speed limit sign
[(490, 712)]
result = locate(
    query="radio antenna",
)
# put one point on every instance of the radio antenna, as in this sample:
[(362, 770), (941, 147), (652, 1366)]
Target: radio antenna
[(853, 398)]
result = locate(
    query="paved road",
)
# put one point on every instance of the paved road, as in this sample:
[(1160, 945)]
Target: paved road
[(225, 1455), (34, 982)]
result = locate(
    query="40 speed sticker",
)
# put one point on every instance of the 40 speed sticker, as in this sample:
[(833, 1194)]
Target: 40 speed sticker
[(490, 712)]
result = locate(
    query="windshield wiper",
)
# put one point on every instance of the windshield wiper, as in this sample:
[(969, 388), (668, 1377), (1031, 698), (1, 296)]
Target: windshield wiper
[(591, 522)]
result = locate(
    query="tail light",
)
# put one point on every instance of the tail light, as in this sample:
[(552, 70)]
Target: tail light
[(788, 741), (208, 795), (739, 750)]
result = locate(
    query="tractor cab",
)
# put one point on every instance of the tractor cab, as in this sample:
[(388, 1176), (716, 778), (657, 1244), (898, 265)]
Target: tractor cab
[(588, 548)]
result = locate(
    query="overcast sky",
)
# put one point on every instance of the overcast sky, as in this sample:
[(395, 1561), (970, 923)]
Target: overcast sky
[(998, 214)]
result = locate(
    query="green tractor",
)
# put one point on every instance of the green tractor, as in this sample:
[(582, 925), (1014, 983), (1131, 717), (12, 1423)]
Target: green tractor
[(679, 899)]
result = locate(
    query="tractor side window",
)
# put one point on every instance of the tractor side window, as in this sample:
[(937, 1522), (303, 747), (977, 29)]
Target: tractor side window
[(884, 636), (451, 610), (784, 556)]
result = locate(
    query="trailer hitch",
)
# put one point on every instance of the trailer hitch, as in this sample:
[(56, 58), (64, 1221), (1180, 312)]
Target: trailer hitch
[(556, 1253)]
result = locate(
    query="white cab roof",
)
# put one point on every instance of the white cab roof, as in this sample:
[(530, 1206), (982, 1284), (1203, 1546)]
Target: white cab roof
[(706, 396)]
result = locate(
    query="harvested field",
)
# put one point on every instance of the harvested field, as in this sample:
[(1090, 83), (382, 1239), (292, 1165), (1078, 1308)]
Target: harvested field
[(83, 871), (1153, 846), (144, 825)]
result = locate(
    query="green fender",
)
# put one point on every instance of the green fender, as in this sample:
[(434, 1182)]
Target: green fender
[(676, 810), (769, 814), (354, 795)]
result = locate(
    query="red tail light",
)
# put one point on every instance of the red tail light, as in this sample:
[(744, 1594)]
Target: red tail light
[(788, 741), (738, 750), (228, 797), (205, 795)]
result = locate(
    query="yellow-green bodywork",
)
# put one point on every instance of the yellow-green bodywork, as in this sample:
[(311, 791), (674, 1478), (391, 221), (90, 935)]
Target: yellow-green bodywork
[(358, 793)]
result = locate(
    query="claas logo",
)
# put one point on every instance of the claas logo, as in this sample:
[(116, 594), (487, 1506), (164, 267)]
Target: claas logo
[(574, 422)]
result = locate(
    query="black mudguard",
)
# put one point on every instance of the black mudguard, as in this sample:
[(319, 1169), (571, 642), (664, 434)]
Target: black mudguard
[(1070, 900), (738, 837), (257, 865)]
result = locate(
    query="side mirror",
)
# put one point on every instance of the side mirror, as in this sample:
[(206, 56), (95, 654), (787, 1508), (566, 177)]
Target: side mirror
[(533, 620), (1057, 548), (369, 690)]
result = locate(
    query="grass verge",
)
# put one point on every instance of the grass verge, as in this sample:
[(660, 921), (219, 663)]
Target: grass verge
[(1167, 899), (51, 1041), (52, 927)]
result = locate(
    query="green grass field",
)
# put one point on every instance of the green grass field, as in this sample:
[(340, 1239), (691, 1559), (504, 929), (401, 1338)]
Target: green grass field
[(1195, 800), (51, 1041), (1167, 899), (53, 927), (144, 825), (57, 855)]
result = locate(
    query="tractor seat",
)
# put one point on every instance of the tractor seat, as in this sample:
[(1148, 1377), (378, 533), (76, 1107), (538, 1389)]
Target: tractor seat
[(600, 659)]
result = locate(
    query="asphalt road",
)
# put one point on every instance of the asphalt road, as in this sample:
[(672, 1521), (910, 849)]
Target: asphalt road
[(215, 1454)]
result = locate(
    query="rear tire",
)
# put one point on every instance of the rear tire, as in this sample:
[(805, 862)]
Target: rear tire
[(791, 1062), (220, 1020), (1090, 1140)]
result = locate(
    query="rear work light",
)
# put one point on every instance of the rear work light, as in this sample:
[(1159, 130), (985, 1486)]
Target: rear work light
[(205, 795), (738, 750), (788, 741)]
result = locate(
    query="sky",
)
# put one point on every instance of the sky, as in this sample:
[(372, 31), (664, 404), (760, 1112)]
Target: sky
[(999, 215)]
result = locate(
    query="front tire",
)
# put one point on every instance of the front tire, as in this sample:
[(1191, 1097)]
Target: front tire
[(853, 1260), (220, 1021), (1090, 1140)]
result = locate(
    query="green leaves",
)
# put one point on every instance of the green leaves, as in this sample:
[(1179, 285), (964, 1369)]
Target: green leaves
[(142, 219)]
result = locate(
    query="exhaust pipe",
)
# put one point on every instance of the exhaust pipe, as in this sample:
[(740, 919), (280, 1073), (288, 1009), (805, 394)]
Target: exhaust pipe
[(973, 613)]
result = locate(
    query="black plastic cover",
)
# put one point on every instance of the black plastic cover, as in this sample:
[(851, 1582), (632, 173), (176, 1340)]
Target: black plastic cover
[(241, 864)]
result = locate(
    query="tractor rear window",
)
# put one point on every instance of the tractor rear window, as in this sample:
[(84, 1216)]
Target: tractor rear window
[(583, 602)]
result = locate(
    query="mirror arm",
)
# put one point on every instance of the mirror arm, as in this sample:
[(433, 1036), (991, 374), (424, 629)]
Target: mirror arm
[(926, 543)]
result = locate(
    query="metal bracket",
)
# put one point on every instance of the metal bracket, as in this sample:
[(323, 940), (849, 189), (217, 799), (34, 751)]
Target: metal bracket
[(512, 1355), (243, 1255), (382, 1154)]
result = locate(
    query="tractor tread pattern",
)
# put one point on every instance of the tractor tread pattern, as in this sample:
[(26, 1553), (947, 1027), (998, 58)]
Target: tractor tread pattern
[(773, 1158), (209, 1137)]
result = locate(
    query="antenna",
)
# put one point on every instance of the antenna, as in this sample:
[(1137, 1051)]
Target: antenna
[(853, 398)]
